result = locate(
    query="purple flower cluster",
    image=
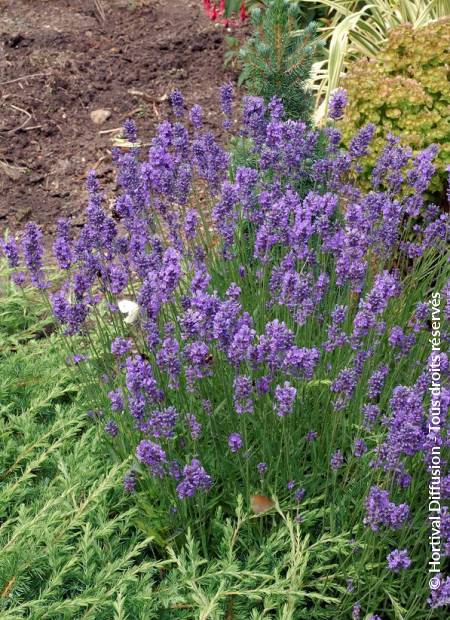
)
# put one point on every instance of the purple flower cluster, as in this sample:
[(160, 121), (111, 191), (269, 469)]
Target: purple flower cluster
[(235, 442), (195, 478), (284, 399), (120, 346), (286, 296), (398, 560), (33, 252), (382, 512), (407, 430), (337, 460), (337, 104), (152, 455)]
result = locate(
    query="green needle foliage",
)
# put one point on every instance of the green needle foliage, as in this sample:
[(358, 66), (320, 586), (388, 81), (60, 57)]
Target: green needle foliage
[(276, 62)]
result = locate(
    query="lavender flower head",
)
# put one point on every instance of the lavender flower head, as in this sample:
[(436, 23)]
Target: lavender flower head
[(120, 346), (441, 596), (62, 246), (262, 468), (196, 116), (226, 102), (337, 460), (11, 252), (299, 494), (359, 448), (111, 428), (177, 103), (116, 398), (33, 252), (129, 482), (152, 455), (359, 145), (382, 512), (337, 104), (285, 397), (235, 442), (129, 130), (398, 560), (194, 425), (356, 611), (195, 478)]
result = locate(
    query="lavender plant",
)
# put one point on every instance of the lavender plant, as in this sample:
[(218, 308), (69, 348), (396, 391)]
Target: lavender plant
[(265, 330)]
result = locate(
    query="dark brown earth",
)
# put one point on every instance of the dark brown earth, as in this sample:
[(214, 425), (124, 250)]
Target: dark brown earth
[(77, 62)]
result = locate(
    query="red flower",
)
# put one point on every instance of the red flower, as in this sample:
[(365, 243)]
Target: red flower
[(242, 12)]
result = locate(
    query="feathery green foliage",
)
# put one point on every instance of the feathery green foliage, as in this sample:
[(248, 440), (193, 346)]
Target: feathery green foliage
[(276, 62), (68, 547)]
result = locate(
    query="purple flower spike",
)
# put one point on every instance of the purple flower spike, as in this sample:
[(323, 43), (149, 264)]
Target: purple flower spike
[(226, 102), (381, 512), (116, 399), (285, 397), (440, 597), (33, 252), (11, 252), (195, 479), (62, 248), (235, 442), (356, 611), (337, 460), (337, 104), (299, 495), (195, 427), (152, 455), (129, 482), (130, 131), (111, 428), (120, 346), (196, 116), (177, 103), (398, 560), (359, 448), (262, 468), (359, 145)]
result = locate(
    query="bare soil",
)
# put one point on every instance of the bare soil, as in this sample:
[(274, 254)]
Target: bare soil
[(78, 59)]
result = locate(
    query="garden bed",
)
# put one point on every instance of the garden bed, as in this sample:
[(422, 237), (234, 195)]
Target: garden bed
[(80, 63)]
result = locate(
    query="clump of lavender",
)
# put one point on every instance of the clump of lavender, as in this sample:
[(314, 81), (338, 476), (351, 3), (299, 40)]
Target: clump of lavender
[(241, 313)]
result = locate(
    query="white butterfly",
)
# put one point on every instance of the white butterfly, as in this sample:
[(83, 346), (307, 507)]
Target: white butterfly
[(131, 309)]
